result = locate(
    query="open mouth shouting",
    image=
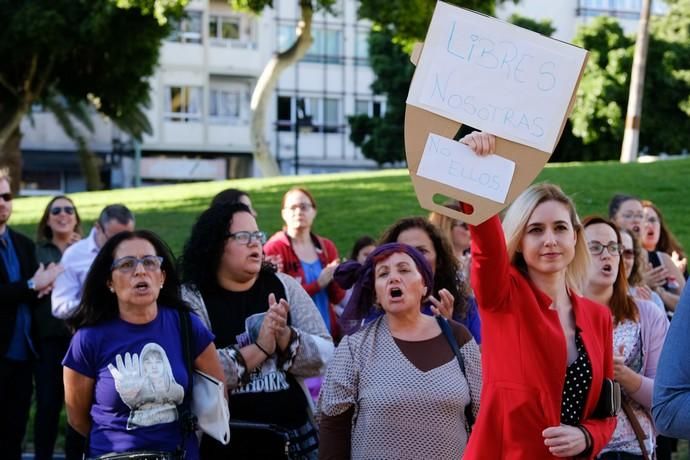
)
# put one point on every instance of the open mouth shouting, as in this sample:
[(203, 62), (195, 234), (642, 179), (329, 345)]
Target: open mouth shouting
[(142, 287), (607, 269)]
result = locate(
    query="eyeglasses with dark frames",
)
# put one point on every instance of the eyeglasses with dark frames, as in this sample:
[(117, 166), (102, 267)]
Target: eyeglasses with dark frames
[(596, 248), (55, 210), (247, 237), (7, 196), (128, 264)]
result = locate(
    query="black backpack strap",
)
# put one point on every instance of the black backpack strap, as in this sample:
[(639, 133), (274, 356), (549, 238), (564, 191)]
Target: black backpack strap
[(184, 410), (450, 337)]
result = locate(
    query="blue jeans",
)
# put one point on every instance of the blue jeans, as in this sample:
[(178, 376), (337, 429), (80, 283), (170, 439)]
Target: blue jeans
[(619, 456)]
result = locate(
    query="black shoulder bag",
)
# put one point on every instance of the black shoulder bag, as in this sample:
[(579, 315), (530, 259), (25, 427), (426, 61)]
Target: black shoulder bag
[(448, 333)]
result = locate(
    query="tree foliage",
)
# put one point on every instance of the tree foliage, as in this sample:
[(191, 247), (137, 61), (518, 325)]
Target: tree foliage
[(598, 118), (100, 51), (395, 31)]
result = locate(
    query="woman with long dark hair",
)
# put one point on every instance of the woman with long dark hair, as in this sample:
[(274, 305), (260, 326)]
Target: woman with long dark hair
[(131, 303), (269, 336), (59, 227)]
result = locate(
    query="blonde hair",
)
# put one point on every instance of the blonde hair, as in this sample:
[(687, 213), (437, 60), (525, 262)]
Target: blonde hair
[(515, 222)]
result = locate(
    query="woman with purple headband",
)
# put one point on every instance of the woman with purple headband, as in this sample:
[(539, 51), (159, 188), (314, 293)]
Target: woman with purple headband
[(394, 388)]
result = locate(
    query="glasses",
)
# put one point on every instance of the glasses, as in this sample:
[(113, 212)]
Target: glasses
[(129, 264), (247, 237), (58, 209), (628, 254), (300, 206), (632, 216), (596, 248), (6, 196)]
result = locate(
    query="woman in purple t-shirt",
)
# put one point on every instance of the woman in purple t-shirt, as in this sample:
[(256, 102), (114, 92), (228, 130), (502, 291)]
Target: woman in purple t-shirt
[(125, 373)]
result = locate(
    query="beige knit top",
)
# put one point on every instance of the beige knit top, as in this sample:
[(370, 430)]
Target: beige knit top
[(400, 411)]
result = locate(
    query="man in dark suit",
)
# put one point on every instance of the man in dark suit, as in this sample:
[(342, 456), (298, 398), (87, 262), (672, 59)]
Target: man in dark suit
[(22, 282)]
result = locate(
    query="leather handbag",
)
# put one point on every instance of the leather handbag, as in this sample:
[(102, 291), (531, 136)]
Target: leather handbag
[(207, 403), (637, 428), (609, 403)]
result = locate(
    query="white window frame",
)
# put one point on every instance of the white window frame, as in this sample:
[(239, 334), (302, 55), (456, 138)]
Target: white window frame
[(184, 116)]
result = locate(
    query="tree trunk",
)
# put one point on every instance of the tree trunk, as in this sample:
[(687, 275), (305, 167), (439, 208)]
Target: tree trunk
[(11, 158), (631, 136), (90, 165), (267, 83)]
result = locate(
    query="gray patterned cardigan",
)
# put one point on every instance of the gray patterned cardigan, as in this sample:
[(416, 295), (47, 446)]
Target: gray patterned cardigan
[(313, 348)]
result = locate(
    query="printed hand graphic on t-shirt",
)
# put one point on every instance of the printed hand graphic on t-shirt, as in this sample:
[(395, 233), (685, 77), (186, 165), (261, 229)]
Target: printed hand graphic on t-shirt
[(128, 378), (146, 384)]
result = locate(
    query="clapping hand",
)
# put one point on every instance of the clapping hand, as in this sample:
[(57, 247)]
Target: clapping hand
[(326, 275), (277, 320)]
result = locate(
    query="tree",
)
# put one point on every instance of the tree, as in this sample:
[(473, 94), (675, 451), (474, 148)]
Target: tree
[(97, 50), (395, 31), (599, 113), (268, 79)]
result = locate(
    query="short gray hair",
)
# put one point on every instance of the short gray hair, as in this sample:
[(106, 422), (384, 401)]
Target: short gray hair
[(117, 212)]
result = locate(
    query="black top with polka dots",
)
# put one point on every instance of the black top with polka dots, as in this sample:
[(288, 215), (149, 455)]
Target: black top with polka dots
[(578, 381)]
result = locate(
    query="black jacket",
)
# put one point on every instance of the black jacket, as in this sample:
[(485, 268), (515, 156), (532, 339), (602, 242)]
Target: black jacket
[(14, 294)]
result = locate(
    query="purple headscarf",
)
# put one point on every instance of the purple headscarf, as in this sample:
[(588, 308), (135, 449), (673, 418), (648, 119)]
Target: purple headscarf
[(360, 277)]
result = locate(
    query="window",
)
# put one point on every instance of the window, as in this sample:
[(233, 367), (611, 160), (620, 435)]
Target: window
[(284, 113), (310, 114), (183, 103), (331, 115), (361, 48), (368, 107), (234, 31), (624, 9), (224, 105), (188, 29), (327, 46)]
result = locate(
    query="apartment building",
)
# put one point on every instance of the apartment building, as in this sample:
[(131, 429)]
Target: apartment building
[(200, 104), (567, 15)]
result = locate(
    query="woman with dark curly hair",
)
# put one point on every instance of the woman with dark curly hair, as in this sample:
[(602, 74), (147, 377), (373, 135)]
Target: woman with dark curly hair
[(449, 295), (118, 393), (269, 335)]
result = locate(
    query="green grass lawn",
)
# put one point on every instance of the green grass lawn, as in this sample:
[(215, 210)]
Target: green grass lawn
[(353, 204)]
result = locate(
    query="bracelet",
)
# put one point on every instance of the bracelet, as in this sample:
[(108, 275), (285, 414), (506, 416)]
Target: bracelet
[(262, 349), (588, 439)]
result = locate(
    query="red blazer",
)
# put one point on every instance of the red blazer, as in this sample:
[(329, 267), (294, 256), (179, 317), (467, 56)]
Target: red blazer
[(280, 244), (524, 357)]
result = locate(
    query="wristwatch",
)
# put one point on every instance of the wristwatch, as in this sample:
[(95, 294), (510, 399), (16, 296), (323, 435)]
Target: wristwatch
[(30, 284)]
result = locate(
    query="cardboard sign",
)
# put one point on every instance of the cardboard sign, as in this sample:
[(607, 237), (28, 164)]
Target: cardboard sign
[(496, 77), (455, 164)]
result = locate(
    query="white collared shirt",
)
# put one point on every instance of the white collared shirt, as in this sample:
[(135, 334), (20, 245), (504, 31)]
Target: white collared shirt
[(69, 285)]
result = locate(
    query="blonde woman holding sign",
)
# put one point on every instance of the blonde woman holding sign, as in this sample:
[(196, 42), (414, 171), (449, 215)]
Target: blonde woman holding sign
[(546, 349)]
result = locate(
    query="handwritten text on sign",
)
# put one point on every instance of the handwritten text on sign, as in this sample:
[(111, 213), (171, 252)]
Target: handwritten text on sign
[(495, 76), (456, 165)]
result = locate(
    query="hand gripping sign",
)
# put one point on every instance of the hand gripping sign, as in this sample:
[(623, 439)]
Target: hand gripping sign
[(496, 77)]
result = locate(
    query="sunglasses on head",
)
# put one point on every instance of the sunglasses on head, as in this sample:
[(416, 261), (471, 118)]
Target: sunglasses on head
[(6, 196), (58, 209)]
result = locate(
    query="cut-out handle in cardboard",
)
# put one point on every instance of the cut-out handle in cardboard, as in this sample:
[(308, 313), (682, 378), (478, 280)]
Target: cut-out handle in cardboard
[(421, 122)]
